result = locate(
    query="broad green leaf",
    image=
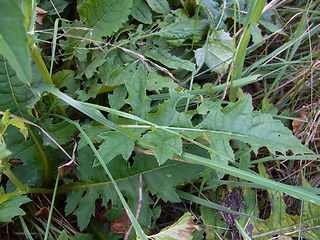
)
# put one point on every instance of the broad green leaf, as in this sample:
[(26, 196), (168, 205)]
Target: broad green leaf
[(217, 53), (238, 121), (13, 39), (167, 115), (168, 144), (159, 6), (141, 12), (156, 82), (17, 96), (91, 68), (169, 60), (159, 180), (115, 143), (61, 78), (11, 206), (61, 132), (104, 17), (14, 95), (183, 29), (181, 230), (136, 87)]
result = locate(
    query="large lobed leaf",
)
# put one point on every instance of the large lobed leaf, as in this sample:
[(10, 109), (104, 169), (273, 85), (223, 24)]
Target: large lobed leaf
[(159, 180), (239, 121)]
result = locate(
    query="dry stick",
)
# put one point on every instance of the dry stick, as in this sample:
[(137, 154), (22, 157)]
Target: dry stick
[(139, 206), (47, 134)]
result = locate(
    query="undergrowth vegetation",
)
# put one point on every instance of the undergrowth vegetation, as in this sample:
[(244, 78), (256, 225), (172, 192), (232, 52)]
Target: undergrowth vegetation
[(159, 119)]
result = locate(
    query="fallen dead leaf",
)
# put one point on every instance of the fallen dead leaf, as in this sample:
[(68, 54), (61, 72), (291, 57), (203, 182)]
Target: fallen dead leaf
[(40, 15)]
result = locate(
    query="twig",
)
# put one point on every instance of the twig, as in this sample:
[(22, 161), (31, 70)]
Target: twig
[(139, 206)]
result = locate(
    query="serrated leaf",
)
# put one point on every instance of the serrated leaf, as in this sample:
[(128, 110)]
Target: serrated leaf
[(159, 6), (167, 115), (92, 66), (238, 121), (116, 143), (85, 209), (168, 144), (11, 207), (104, 17), (136, 87), (181, 230), (141, 12), (160, 180), (219, 49), (13, 39)]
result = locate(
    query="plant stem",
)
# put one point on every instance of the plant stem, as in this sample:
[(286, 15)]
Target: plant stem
[(44, 73), (14, 180)]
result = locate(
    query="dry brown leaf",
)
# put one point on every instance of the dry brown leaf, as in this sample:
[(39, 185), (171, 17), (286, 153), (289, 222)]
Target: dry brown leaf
[(296, 124), (40, 15), (120, 225)]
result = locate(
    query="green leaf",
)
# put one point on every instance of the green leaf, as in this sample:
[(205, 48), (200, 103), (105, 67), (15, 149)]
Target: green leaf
[(183, 29), (91, 68), (136, 87), (238, 121), (159, 6), (4, 152), (168, 144), (219, 49), (61, 132), (156, 82), (116, 143), (10, 207), (61, 78), (167, 115), (159, 180), (17, 96), (13, 39), (104, 17), (169, 60), (141, 12), (181, 230)]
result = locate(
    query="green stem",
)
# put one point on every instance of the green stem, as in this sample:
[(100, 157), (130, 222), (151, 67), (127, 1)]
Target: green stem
[(15, 180), (44, 73)]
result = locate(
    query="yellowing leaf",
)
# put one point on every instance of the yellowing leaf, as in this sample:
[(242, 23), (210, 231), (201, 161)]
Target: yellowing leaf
[(181, 230), (6, 121)]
